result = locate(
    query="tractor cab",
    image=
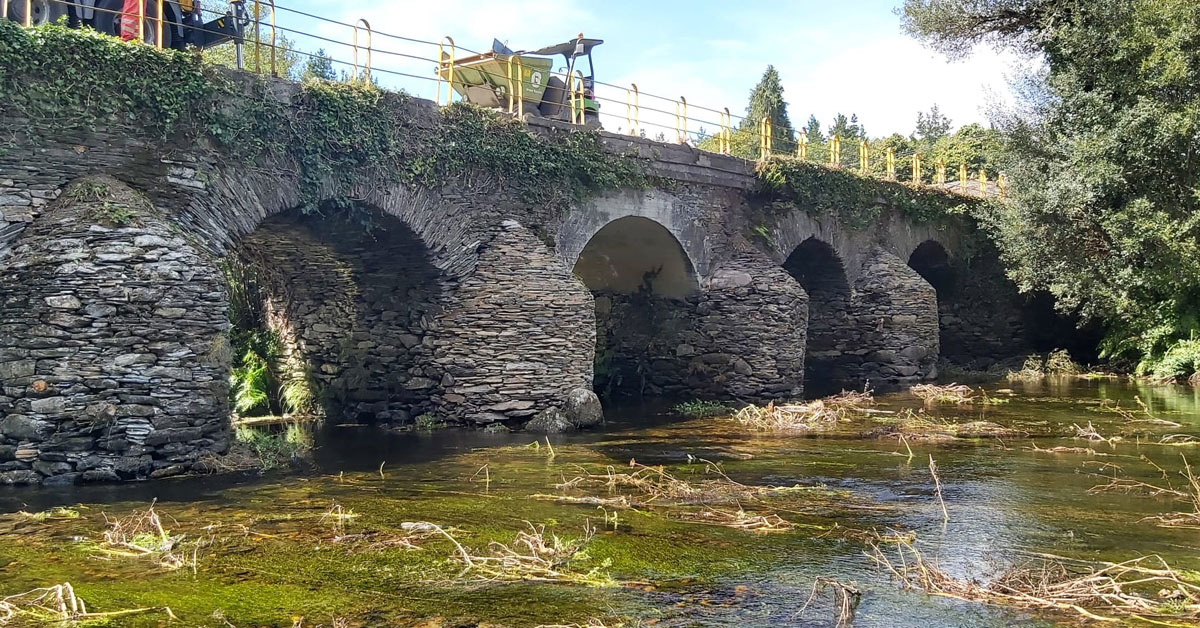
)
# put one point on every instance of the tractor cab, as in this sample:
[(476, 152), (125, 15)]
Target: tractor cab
[(574, 52), (485, 79)]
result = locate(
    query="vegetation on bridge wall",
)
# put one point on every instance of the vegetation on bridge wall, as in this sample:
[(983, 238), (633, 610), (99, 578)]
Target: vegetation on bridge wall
[(337, 133), (857, 200)]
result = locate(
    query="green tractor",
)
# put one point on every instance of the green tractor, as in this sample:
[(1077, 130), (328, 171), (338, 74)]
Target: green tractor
[(485, 79)]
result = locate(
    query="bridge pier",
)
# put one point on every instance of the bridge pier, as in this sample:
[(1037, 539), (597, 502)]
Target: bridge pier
[(113, 355), (897, 322)]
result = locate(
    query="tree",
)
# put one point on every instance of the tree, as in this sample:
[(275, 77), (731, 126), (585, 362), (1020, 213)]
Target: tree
[(932, 126), (847, 128), (1104, 158), (766, 100), (319, 67), (812, 131)]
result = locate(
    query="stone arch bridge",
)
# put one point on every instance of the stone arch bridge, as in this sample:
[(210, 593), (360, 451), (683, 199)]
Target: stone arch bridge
[(466, 301)]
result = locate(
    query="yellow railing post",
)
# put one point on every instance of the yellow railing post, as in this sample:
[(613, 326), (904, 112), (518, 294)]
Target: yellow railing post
[(983, 182), (765, 141), (962, 178), (442, 60), (941, 172), (1002, 183), (577, 109), (835, 151), (257, 37), (681, 120), (516, 90), (141, 15), (274, 71), (637, 110), (158, 24), (3, 9), (802, 148), (916, 169), (725, 145), (367, 70), (891, 164), (864, 165)]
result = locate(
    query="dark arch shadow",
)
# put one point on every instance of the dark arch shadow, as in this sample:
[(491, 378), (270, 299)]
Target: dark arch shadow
[(819, 270), (346, 293), (933, 264), (642, 281)]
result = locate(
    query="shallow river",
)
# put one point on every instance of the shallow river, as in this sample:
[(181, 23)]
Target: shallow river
[(265, 550)]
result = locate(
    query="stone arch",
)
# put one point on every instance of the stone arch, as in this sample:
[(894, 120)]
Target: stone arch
[(932, 262), (666, 212), (350, 294), (643, 283), (632, 254), (820, 271)]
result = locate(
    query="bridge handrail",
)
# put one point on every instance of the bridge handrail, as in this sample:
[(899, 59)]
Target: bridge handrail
[(771, 142)]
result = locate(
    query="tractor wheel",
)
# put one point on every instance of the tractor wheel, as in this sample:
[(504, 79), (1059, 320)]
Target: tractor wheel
[(42, 11), (105, 19)]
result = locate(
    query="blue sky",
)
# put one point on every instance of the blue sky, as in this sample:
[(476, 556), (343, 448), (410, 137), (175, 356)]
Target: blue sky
[(847, 56)]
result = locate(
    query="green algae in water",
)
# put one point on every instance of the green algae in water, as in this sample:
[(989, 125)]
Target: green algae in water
[(274, 560)]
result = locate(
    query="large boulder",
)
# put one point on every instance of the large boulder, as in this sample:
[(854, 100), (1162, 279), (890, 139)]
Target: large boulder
[(583, 408)]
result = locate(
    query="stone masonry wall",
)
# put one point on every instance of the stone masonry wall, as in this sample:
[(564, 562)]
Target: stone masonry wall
[(518, 332), (112, 354)]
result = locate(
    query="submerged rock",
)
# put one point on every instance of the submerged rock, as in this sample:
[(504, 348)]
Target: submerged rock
[(549, 421)]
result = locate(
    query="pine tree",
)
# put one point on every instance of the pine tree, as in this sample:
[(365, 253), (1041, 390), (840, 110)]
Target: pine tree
[(319, 66), (765, 100), (812, 131)]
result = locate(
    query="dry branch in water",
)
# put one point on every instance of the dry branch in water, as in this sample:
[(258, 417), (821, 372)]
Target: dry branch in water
[(56, 605), (814, 415), (142, 534), (1142, 587), (1183, 519), (740, 520), (656, 486), (535, 556), (845, 596), (933, 394)]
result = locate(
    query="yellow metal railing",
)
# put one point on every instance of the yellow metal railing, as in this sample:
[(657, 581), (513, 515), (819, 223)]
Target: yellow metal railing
[(632, 108), (725, 144), (578, 113), (764, 138), (258, 36), (681, 120), (891, 164), (916, 169), (516, 88), (940, 176), (864, 158), (446, 61), (367, 68)]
